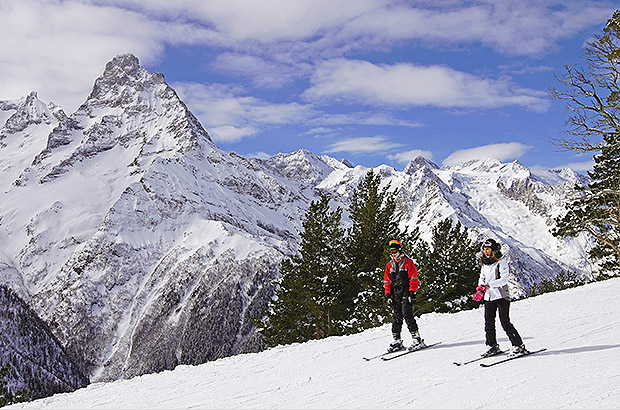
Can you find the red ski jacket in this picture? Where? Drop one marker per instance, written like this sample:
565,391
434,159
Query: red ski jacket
402,271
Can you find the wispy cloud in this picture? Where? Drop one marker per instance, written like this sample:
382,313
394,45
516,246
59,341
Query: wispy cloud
579,166
260,72
230,116
412,85
65,44
363,118
408,156
503,152
363,145
526,27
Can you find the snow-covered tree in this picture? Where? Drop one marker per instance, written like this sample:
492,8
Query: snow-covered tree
593,96
312,297
448,269
374,224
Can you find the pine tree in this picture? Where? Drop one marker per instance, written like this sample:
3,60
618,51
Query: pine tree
594,98
374,224
6,397
448,269
311,300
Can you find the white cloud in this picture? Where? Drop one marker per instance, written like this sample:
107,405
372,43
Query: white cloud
412,85
264,21
259,155
260,72
230,133
65,44
408,156
502,152
579,166
363,145
59,48
230,116
525,27
363,118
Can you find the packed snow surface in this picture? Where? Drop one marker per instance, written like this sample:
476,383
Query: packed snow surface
579,327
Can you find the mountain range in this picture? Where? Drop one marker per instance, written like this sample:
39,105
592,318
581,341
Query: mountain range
142,246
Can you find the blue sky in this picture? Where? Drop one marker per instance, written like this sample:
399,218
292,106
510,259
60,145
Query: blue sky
372,81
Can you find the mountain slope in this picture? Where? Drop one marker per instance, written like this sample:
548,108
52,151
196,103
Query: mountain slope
578,370
37,360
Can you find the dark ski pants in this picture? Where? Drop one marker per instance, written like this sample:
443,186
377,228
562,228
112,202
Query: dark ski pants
401,308
490,309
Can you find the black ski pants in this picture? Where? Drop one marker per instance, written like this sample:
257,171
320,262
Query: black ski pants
401,308
490,309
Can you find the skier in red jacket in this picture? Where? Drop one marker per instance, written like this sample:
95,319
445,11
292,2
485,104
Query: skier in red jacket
401,283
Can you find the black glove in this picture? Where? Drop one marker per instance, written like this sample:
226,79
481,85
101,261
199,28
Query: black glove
411,297
388,296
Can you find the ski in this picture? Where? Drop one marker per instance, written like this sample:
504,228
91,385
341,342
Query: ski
409,351
480,358
383,354
511,358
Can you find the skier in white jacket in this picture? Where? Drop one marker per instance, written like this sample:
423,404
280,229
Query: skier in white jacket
494,281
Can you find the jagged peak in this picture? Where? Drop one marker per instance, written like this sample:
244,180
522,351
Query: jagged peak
28,110
128,65
480,164
302,164
418,163
122,78
558,176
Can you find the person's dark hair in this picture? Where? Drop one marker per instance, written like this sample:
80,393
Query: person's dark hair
495,248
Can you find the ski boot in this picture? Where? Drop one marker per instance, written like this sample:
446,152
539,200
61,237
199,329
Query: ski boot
396,345
517,351
491,351
417,342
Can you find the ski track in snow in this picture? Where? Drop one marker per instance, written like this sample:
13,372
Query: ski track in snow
579,327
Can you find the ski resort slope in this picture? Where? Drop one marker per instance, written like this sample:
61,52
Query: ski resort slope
579,327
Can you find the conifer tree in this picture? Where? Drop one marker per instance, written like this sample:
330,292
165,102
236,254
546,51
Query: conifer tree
593,96
448,269
374,224
311,301
6,397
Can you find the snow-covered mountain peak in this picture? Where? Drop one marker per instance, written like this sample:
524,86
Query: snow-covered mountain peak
419,163
24,112
122,81
480,166
559,176
303,165
131,111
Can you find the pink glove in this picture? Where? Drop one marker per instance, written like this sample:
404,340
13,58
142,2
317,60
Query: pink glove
479,293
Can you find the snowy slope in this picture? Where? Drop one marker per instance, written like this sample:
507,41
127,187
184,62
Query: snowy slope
579,369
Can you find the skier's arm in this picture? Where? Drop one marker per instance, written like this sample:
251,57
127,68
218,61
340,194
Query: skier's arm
481,279
503,275
387,280
414,281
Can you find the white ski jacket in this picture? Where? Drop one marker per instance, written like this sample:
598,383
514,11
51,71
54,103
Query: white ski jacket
496,276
